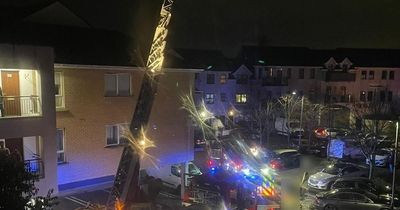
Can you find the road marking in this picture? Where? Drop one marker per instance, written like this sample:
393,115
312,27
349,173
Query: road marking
71,198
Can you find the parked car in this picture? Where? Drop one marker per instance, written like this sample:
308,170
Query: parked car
323,179
347,199
360,183
322,132
285,159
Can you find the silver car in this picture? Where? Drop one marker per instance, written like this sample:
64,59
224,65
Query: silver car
323,179
351,199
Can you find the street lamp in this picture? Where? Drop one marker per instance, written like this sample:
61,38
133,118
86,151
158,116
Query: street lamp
394,165
301,116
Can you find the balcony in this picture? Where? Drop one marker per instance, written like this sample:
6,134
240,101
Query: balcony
275,81
35,166
20,106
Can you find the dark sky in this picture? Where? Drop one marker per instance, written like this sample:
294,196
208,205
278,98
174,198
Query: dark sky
228,23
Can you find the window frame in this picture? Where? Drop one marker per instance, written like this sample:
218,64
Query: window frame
384,75
301,73
364,75
119,136
209,100
239,98
391,75
61,89
222,78
63,146
312,73
210,78
371,75
117,80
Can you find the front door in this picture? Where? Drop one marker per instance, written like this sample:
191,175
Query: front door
15,144
10,86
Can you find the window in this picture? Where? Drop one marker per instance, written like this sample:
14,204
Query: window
59,89
371,75
196,75
222,78
362,95
312,73
241,98
209,98
390,95
223,97
210,79
363,75
391,75
382,96
384,74
369,96
60,145
289,73
117,84
242,79
114,134
301,73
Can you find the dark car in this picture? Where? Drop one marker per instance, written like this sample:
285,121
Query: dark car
360,183
323,179
353,199
285,159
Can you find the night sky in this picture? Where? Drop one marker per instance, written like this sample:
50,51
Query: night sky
226,24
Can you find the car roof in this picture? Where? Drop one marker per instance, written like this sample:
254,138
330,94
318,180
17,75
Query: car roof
281,151
353,190
354,179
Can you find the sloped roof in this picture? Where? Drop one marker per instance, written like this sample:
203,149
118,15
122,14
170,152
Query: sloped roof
75,45
301,56
56,14
197,59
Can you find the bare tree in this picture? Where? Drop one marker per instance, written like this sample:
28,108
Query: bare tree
289,104
263,118
373,118
312,116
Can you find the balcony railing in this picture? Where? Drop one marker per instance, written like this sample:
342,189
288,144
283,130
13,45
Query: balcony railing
20,106
35,166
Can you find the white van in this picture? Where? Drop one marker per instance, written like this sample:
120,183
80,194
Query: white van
282,127
171,174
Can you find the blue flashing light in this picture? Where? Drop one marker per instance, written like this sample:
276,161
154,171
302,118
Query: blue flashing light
209,67
261,61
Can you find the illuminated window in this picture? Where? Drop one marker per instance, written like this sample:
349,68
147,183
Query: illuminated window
241,98
60,145
117,84
222,78
209,98
114,134
59,89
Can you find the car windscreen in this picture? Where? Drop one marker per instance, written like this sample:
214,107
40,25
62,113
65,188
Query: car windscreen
331,170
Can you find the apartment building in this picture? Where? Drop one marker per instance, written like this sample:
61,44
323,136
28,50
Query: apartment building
28,117
336,78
